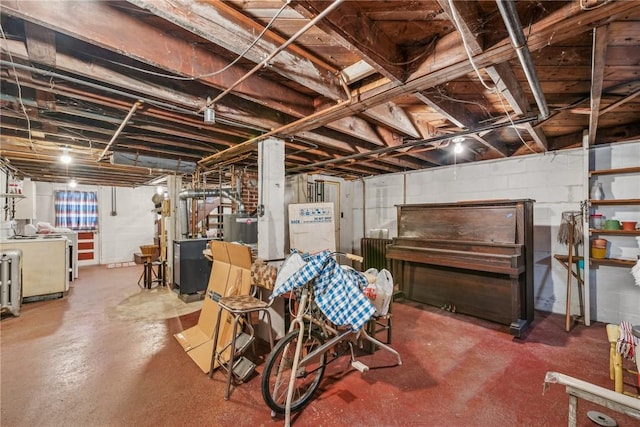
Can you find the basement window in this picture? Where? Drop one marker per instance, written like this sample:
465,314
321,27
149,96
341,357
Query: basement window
77,210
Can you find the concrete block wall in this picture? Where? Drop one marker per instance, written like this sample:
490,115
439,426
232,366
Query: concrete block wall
554,180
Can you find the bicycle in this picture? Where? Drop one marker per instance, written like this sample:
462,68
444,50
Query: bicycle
296,365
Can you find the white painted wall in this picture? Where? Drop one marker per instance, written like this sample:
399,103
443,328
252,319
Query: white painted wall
554,180
119,236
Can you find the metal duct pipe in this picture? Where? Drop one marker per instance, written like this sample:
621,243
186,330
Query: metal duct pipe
211,192
514,27
152,162
182,217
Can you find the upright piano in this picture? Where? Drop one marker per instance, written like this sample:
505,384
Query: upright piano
474,258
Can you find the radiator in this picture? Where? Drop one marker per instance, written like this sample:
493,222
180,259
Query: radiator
11,281
374,252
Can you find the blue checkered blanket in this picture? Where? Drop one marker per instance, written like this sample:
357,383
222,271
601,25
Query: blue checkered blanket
338,290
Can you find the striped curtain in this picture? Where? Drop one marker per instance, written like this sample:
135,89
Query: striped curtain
77,210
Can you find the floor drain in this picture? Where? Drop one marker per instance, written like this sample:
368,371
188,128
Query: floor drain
601,419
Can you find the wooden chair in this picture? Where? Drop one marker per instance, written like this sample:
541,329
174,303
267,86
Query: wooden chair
616,368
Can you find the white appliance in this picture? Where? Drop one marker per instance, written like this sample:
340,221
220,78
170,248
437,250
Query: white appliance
72,237
45,261
311,227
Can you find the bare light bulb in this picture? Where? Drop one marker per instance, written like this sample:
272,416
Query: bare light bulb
65,157
73,183
458,148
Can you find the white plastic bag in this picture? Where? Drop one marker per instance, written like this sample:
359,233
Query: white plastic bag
381,291
289,267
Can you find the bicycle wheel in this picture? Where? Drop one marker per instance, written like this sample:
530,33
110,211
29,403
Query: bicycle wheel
277,372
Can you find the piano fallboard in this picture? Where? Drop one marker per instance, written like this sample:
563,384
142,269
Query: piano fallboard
490,257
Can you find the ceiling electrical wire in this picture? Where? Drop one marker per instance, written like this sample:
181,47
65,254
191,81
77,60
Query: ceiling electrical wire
15,73
584,7
443,95
213,73
456,20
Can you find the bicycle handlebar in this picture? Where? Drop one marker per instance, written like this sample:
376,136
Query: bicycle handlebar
354,257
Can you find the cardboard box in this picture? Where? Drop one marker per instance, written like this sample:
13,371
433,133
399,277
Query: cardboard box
230,275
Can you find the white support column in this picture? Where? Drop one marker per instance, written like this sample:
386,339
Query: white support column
271,209
271,218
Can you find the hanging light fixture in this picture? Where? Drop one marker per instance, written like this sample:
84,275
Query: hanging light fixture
73,183
458,148
65,157
209,112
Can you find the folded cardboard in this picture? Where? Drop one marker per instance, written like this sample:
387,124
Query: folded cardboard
230,275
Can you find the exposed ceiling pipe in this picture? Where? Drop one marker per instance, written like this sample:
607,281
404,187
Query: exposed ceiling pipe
247,145
133,109
107,89
236,150
413,143
280,48
212,192
152,162
514,28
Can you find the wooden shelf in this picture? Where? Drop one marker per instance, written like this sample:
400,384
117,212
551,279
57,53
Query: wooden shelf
618,202
615,171
565,258
13,196
615,232
612,261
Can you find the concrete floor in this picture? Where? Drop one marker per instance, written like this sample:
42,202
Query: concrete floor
70,362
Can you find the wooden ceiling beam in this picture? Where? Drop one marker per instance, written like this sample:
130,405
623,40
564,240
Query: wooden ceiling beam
226,27
412,159
354,31
356,127
508,86
393,117
352,125
502,76
123,33
449,61
461,117
598,59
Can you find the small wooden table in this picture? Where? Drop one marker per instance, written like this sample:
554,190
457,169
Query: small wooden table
149,276
564,261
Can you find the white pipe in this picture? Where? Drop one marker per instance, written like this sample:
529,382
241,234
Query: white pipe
265,61
133,109
512,22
